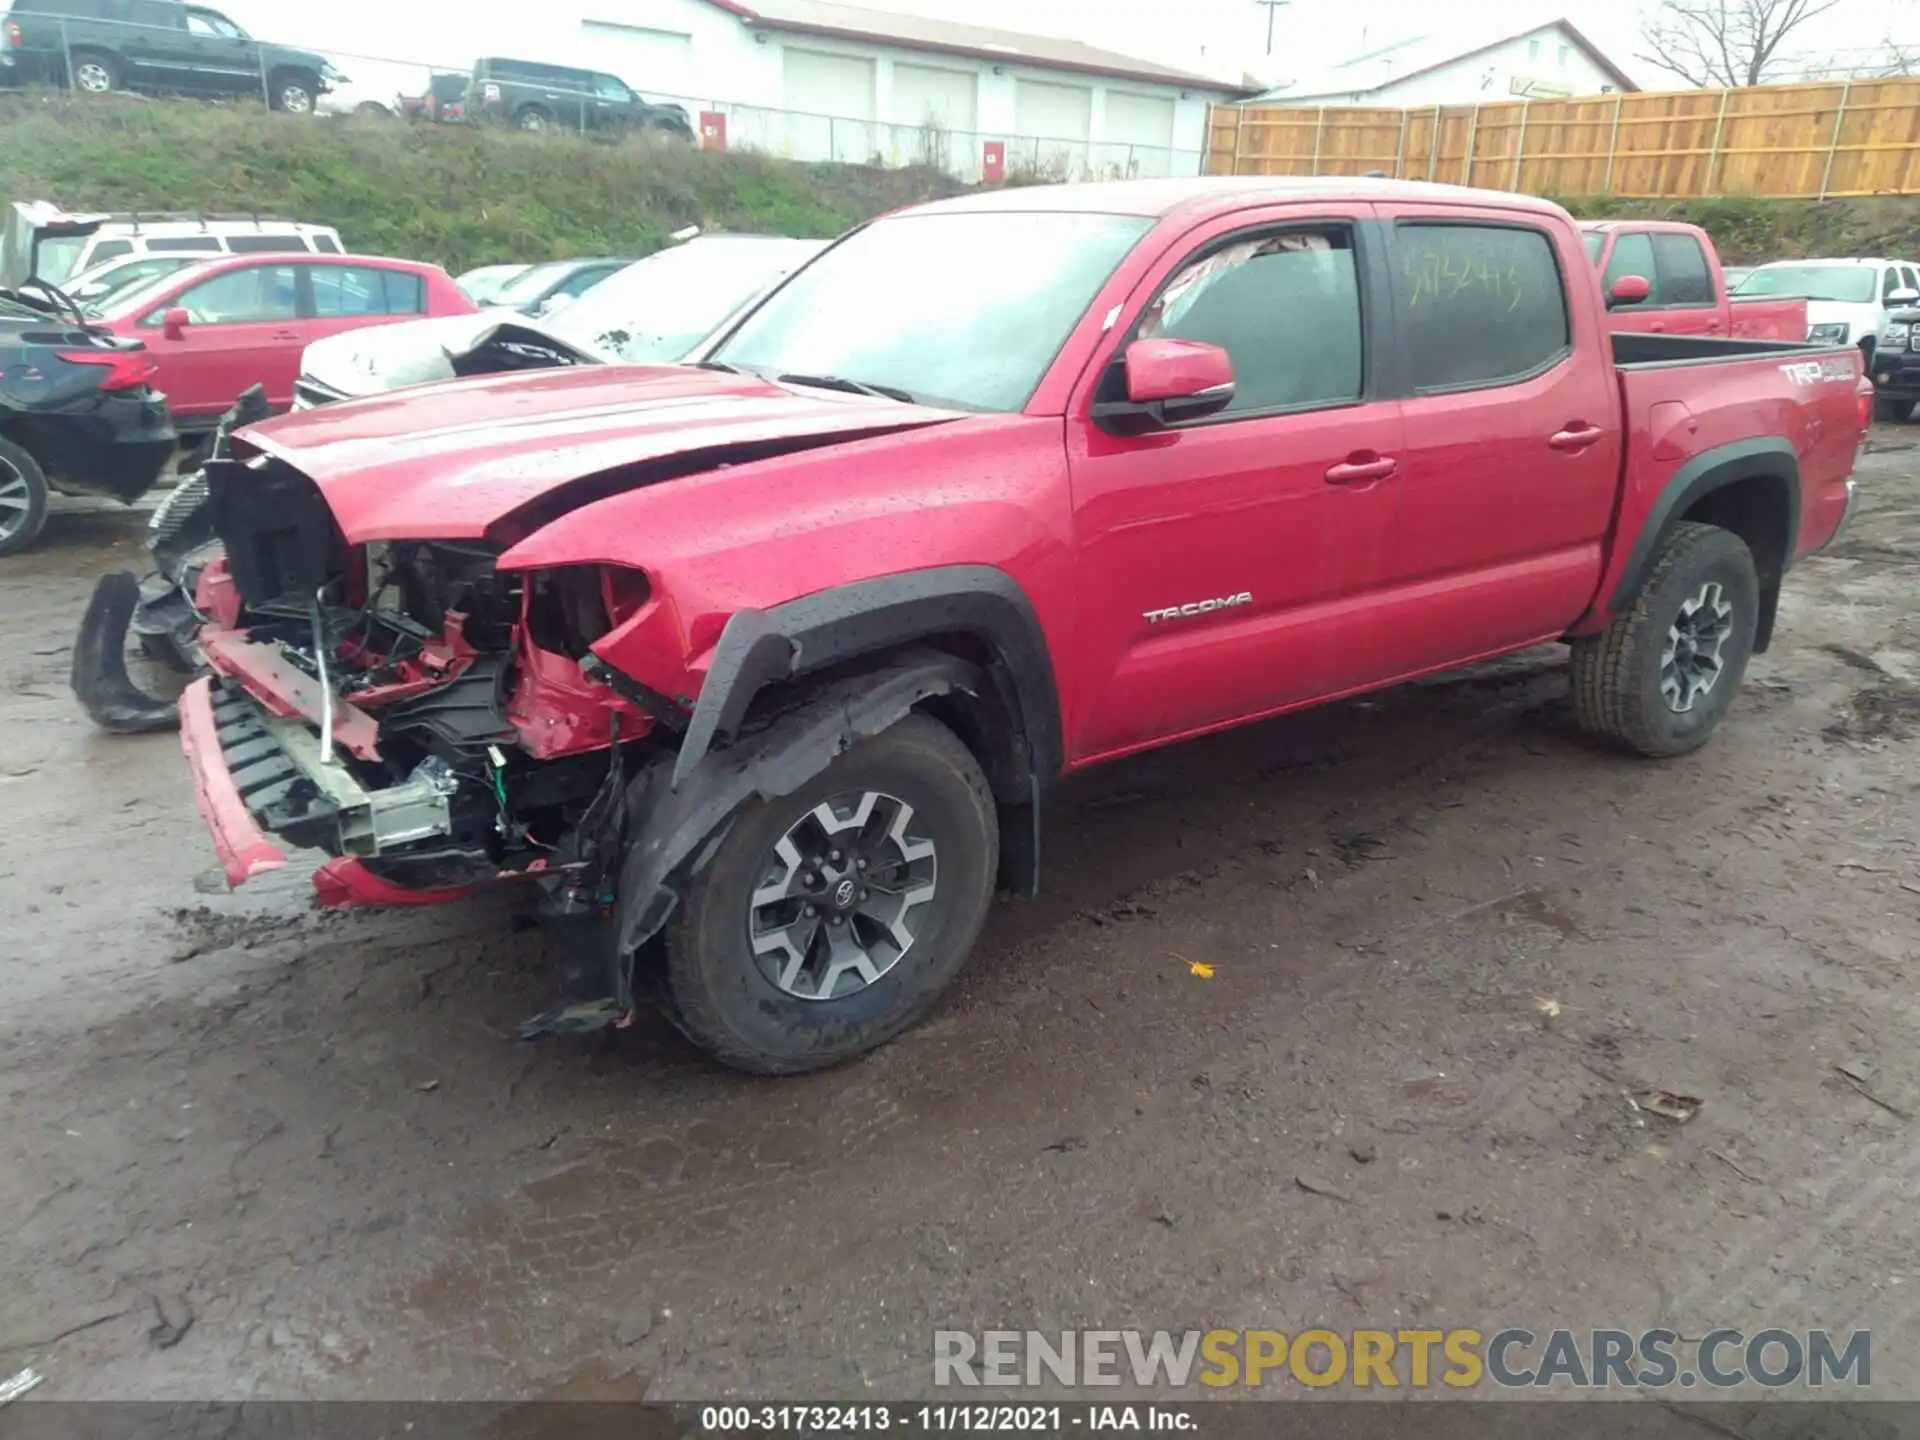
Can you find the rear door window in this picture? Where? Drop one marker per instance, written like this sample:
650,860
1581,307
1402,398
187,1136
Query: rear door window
352,290
1684,277
1633,255
1479,305
265,244
198,244
110,250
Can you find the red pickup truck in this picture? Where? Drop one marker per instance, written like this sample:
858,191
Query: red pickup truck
763,668
1661,276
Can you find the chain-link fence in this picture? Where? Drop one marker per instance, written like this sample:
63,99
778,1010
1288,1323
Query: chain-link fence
209,57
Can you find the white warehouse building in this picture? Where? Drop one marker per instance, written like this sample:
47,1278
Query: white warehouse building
816,80
1553,61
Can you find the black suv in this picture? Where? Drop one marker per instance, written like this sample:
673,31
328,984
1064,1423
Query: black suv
155,46
531,96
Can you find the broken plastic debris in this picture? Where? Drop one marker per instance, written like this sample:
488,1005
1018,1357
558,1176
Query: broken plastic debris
1198,968
1548,1008
15,1386
1664,1103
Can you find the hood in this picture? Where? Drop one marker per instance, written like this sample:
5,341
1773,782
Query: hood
451,461
1836,312
386,357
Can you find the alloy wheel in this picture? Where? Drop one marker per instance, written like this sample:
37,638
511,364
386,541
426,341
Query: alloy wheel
16,502
843,896
296,100
93,77
1691,663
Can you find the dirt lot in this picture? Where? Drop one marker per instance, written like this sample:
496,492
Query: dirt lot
1448,938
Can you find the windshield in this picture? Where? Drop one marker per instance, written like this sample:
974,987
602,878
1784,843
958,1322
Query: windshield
1850,284
965,309
661,307
1596,242
95,287
531,285
135,299
58,255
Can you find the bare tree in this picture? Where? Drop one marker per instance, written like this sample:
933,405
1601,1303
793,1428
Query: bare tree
1723,43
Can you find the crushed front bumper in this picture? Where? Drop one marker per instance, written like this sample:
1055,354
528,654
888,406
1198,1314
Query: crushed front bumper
258,777
243,847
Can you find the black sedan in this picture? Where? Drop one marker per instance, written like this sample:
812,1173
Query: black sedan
76,415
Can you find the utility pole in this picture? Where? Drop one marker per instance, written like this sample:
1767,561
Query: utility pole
1272,5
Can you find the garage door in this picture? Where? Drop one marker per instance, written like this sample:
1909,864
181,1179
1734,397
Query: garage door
829,106
1050,128
820,84
654,62
1137,134
946,97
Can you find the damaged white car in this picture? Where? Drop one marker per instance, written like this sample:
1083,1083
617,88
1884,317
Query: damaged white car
656,310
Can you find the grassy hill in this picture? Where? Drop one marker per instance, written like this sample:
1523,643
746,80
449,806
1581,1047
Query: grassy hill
446,193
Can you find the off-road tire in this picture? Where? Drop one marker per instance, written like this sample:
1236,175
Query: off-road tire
714,989
18,468
1616,674
106,66
1892,410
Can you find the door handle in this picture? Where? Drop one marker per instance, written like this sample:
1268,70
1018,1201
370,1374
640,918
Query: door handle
1658,326
1577,437
286,334
1355,470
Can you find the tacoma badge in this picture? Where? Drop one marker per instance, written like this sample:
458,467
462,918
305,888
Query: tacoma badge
1198,607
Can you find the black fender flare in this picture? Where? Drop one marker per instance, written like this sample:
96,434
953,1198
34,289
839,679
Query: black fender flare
765,647
1765,457
677,827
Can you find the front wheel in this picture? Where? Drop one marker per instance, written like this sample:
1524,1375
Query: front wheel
832,918
294,94
1660,677
533,120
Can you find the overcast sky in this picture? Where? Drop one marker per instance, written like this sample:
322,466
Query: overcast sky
1223,36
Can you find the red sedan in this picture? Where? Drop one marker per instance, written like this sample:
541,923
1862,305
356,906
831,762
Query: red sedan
216,328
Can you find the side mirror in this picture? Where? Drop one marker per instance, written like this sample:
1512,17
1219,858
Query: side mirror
1168,382
1903,297
174,323
1628,290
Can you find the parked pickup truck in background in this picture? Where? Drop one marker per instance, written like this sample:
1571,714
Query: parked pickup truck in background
762,668
1686,290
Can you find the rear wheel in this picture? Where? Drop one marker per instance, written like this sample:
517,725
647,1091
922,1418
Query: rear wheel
832,918
1892,409
1660,677
533,119
23,499
95,72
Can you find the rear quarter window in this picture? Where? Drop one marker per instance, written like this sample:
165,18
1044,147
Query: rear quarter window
109,250
1479,305
199,244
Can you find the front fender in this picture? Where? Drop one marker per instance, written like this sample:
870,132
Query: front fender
679,827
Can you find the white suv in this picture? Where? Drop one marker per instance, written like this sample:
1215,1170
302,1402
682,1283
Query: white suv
198,236
1849,302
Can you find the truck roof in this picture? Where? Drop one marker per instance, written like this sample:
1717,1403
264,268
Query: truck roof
1215,193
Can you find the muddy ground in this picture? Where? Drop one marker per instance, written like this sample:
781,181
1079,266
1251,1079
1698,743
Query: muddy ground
1448,941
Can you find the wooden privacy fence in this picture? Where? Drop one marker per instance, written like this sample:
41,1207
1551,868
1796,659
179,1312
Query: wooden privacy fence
1844,138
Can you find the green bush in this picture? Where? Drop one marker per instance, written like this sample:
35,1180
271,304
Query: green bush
447,193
